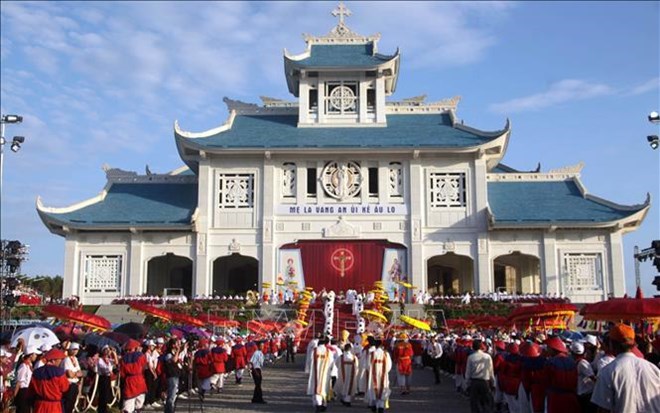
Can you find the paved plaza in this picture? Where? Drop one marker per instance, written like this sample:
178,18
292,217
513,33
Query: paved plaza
285,385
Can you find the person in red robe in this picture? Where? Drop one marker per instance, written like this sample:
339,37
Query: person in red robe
510,376
133,385
239,355
403,354
560,374
49,384
219,356
531,394
203,366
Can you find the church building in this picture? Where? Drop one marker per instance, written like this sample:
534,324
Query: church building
337,188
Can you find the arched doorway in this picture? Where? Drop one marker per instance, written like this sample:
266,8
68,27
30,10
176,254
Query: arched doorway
235,274
450,274
169,271
517,273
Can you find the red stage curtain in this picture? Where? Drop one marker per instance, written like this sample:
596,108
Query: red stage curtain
367,265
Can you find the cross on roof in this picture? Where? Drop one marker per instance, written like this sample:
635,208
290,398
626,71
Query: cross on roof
341,11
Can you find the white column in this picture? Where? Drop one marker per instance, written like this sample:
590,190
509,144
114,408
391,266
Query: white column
266,261
484,279
362,100
617,276
303,98
202,283
550,270
136,281
380,99
72,274
416,267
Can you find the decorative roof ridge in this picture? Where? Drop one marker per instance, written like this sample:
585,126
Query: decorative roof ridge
205,134
528,177
116,176
570,169
417,104
179,170
493,134
42,209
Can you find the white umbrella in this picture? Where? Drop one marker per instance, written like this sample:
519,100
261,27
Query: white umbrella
35,337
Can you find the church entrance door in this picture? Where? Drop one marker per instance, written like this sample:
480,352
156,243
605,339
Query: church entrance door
169,271
517,273
449,274
235,274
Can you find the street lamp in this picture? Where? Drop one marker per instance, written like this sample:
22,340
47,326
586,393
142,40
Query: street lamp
654,141
15,145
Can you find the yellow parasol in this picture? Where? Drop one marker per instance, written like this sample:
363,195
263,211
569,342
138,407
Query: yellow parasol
405,284
301,322
373,315
422,325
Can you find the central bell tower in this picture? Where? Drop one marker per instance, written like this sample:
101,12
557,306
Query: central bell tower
341,80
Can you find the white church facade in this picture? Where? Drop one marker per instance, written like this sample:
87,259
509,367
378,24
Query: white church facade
340,187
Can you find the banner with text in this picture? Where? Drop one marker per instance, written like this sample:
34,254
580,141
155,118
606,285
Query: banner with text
361,209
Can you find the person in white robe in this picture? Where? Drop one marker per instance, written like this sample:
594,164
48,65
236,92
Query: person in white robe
346,385
378,386
318,384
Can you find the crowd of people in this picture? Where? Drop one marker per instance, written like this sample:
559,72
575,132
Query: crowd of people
615,372
154,372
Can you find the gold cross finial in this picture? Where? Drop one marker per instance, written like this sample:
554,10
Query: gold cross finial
341,11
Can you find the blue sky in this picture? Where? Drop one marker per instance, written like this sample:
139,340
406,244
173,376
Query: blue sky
102,83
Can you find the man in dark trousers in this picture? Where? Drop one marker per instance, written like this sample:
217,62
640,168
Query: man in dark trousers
256,364
481,379
290,350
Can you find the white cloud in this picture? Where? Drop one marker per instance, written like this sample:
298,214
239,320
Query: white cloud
648,86
566,90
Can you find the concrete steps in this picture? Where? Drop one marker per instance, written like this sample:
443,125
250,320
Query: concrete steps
120,314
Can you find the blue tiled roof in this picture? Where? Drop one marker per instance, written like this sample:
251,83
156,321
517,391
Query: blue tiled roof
345,56
402,131
522,203
137,204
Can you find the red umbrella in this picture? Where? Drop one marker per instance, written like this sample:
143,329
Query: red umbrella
187,320
543,310
76,316
152,311
218,321
617,309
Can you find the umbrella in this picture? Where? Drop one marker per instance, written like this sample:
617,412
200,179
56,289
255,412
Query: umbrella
373,315
218,321
120,338
187,320
78,317
135,331
184,331
99,341
67,332
152,311
617,309
422,325
35,337
571,335
542,310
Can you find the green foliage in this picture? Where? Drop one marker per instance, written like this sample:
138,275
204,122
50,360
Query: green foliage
454,309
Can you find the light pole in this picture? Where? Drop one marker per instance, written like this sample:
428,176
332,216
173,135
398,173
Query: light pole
653,140
16,143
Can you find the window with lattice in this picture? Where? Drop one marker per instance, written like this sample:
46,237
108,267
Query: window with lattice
447,190
235,191
395,181
102,273
341,98
583,271
289,180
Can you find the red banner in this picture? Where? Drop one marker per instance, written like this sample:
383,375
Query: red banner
342,265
